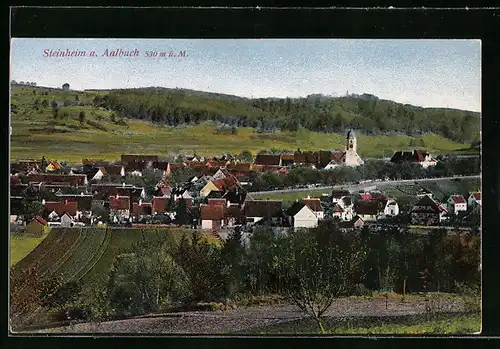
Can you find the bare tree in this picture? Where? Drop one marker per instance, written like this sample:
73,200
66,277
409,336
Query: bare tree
318,273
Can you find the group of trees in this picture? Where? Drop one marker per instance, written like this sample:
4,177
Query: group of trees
371,170
332,114
309,268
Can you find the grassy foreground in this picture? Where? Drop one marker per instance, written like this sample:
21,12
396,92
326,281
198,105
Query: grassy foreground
21,245
410,325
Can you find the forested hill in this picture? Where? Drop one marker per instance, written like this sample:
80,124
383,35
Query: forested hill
365,113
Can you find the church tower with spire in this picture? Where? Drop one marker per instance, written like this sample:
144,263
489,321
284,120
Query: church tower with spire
351,157
350,143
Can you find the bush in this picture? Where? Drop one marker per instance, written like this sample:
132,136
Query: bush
362,291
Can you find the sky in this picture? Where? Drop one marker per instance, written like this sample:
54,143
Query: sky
427,73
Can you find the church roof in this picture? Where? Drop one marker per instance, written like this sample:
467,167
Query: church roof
351,134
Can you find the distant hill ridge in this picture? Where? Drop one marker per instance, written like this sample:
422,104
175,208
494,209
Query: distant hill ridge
321,113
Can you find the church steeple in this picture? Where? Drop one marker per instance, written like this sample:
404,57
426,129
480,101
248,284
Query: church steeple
350,143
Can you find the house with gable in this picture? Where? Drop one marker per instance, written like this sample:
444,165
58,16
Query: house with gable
220,185
119,209
84,203
337,195
367,210
212,216
315,206
37,227
355,223
428,212
267,160
63,212
53,166
141,210
419,157
256,210
456,203
474,200
301,216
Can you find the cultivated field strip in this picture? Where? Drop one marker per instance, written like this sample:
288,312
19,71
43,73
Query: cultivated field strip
43,249
83,255
82,235
57,254
97,256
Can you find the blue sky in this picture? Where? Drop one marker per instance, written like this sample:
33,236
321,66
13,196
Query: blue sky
428,73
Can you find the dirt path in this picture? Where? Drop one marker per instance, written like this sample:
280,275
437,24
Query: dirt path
244,319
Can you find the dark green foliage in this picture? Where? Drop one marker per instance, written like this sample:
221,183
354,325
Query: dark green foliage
32,204
326,114
146,279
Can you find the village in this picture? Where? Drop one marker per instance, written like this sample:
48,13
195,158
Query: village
217,196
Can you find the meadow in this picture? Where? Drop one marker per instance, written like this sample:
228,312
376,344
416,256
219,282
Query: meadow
404,193
36,133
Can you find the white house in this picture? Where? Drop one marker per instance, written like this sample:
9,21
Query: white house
390,207
315,205
456,203
338,195
67,221
301,216
212,217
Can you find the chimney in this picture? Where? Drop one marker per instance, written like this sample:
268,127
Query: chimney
81,193
43,201
140,202
66,203
124,185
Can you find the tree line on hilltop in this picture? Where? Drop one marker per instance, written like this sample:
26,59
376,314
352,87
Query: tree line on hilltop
331,115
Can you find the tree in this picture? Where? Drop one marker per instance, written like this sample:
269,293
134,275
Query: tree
318,272
232,256
181,214
81,117
147,278
32,204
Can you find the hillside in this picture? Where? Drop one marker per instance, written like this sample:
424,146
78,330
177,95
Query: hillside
73,255
46,122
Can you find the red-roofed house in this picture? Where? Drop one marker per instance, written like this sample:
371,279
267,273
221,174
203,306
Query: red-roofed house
160,204
366,196
141,210
53,166
219,202
54,210
474,200
212,216
119,208
456,203
37,226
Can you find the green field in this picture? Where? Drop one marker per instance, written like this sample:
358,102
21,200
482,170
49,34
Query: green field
82,254
405,193
21,245
37,133
290,197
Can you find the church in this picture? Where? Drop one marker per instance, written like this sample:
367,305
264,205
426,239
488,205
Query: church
348,157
